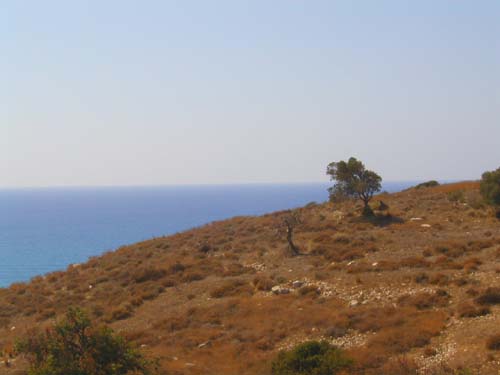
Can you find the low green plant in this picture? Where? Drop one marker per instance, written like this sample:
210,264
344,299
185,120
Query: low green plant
311,358
74,347
490,187
456,196
427,184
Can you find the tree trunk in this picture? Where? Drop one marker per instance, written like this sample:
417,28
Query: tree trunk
294,250
367,210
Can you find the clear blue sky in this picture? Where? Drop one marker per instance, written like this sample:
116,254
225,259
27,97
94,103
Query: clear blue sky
175,92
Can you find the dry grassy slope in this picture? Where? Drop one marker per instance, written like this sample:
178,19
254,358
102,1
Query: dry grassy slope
201,299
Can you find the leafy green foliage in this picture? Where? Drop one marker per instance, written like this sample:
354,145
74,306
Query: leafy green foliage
456,196
427,184
490,187
311,358
74,347
353,180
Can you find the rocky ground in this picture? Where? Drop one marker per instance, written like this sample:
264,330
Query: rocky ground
416,287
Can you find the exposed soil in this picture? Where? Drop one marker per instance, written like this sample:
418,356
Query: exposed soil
419,283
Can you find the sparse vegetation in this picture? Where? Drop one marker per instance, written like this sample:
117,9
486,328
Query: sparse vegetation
493,342
205,296
311,358
74,347
490,189
427,184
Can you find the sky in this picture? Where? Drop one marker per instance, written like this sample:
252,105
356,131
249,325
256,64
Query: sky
124,92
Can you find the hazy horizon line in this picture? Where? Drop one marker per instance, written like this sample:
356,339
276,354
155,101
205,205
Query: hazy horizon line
443,181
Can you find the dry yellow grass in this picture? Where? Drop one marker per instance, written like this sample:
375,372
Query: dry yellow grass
418,279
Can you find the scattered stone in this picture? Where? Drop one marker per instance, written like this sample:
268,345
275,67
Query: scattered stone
203,344
425,225
297,283
278,289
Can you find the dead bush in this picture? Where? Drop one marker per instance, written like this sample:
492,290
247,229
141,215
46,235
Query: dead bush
490,296
468,310
262,283
231,288
120,313
309,290
493,342
148,274
425,300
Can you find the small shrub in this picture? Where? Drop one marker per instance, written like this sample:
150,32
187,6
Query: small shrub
231,288
425,300
427,184
176,268
311,358
309,290
490,296
456,196
148,274
120,313
262,283
205,248
74,347
422,278
468,310
341,238
490,187
493,342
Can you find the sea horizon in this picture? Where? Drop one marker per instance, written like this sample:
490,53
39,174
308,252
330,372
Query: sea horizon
45,229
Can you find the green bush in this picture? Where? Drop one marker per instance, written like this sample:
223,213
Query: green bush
456,196
311,358
490,187
74,347
427,184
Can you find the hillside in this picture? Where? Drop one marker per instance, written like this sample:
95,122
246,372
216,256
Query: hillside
422,280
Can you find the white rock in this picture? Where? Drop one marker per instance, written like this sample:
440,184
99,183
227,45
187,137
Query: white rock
203,344
425,225
297,283
277,289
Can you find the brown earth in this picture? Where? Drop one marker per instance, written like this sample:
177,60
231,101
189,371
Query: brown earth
419,285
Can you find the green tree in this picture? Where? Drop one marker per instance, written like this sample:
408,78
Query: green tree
490,187
353,180
311,358
74,347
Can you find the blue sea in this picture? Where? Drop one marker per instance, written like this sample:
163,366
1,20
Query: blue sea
46,229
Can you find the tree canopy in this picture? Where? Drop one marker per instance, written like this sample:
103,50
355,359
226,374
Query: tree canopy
490,187
353,180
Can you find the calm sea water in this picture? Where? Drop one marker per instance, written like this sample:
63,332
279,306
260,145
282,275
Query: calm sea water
43,230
